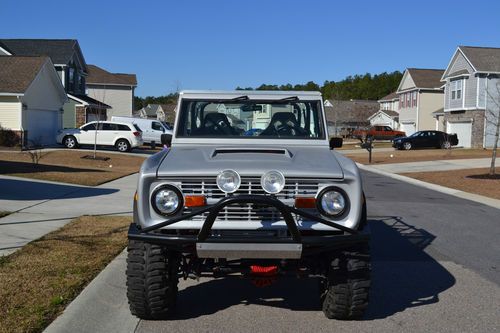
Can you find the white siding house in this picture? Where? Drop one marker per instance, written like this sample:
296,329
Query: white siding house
31,99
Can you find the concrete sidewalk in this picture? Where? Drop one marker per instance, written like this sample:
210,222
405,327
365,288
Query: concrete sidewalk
40,207
438,165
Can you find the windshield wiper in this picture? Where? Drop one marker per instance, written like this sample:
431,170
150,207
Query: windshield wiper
289,99
239,98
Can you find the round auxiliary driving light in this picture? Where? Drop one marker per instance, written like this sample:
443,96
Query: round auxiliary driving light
332,202
167,200
228,181
272,181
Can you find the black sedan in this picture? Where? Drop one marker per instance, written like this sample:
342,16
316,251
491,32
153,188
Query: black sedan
426,139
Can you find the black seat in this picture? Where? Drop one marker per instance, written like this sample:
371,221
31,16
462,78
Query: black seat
283,123
216,124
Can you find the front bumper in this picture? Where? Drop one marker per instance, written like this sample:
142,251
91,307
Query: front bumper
295,246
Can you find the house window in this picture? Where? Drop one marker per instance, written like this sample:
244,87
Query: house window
408,104
414,99
456,89
401,101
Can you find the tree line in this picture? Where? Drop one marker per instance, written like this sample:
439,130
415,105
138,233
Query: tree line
367,87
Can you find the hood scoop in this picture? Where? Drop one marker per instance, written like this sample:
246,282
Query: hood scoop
232,151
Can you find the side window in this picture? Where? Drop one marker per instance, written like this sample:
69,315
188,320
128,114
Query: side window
157,126
123,127
89,127
110,127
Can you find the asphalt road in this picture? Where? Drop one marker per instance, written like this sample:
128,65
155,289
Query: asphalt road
436,262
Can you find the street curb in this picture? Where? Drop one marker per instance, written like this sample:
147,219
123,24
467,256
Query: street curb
443,189
102,306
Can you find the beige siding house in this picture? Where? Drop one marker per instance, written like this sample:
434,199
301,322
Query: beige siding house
31,99
113,89
420,94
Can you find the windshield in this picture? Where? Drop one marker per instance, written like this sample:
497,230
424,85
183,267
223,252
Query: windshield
251,119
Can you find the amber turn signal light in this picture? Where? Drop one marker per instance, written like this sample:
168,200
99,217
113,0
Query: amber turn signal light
305,202
195,200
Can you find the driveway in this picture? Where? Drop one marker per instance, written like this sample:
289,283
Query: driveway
437,165
41,207
435,269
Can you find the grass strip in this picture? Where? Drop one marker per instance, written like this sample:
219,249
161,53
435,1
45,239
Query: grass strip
39,280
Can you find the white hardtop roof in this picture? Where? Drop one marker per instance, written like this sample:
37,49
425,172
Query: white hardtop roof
252,94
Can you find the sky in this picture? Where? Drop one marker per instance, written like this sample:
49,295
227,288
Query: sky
222,44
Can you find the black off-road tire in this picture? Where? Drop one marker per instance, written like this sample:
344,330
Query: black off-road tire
152,277
346,289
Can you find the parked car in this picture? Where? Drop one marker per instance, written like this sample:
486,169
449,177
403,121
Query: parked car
123,136
378,133
282,203
426,139
151,129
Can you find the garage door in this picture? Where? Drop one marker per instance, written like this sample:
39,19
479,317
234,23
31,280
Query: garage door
42,126
409,129
463,131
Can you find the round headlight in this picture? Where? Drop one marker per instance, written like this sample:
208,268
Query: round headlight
332,202
167,200
228,181
272,182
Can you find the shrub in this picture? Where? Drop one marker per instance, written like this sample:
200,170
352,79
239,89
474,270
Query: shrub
8,138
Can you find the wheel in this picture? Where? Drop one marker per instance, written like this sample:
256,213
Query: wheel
70,142
407,145
446,145
151,280
122,145
346,289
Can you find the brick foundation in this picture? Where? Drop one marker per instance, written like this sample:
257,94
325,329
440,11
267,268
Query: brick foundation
80,116
477,117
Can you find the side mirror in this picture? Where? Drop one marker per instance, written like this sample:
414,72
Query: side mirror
166,139
336,143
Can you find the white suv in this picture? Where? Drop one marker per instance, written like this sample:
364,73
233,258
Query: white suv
123,136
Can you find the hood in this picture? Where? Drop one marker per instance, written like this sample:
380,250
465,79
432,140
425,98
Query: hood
298,161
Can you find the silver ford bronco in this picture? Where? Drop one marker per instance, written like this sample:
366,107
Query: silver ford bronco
251,186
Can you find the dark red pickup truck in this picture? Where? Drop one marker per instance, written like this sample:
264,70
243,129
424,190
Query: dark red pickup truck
378,133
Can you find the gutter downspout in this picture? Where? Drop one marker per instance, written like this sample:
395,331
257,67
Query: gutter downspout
21,122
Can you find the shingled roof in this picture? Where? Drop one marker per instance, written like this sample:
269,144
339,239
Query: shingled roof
17,73
483,59
98,75
426,78
353,111
60,51
389,97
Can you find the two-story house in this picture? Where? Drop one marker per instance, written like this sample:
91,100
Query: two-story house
114,89
70,65
472,93
420,94
388,113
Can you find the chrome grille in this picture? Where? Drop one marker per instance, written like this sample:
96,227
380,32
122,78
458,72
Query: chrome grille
208,187
249,185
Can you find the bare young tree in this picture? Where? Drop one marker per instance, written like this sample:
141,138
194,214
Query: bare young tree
492,115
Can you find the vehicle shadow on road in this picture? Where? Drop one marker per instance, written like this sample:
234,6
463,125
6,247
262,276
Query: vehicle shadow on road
403,276
13,189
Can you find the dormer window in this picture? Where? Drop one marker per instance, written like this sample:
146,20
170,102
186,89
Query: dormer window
456,89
